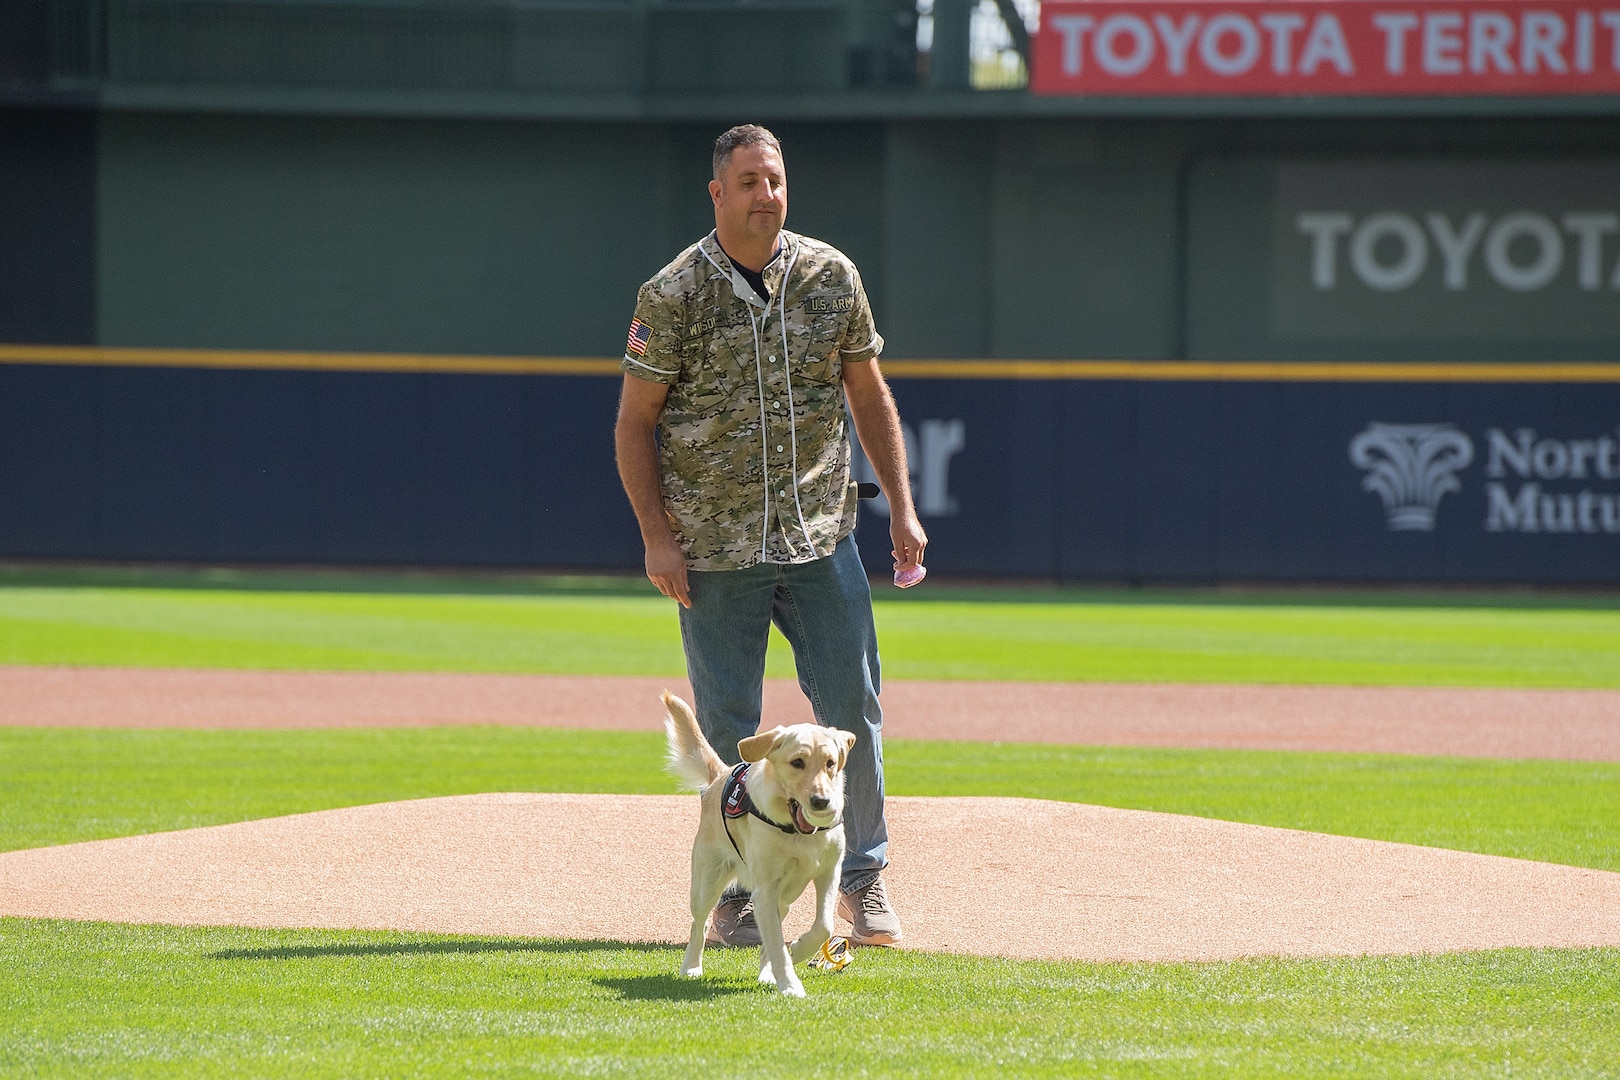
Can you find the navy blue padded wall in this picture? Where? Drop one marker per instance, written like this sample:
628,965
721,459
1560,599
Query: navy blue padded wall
1082,480
1253,481
241,466
49,461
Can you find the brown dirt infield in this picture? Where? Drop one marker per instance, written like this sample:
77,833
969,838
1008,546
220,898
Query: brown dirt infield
1571,724
1009,877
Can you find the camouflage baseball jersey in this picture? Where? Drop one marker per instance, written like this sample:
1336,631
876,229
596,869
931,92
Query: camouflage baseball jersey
754,454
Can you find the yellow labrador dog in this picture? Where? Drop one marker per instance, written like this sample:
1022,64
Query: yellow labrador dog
773,824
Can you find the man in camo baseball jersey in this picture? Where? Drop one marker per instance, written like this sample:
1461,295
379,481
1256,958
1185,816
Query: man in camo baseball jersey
733,447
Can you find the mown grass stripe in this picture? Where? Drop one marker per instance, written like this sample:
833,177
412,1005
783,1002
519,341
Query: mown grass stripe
635,632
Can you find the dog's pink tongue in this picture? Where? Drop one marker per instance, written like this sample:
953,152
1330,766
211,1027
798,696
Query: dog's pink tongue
800,822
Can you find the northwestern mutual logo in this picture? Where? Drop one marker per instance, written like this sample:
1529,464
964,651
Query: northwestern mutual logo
1554,493
1532,484
1411,467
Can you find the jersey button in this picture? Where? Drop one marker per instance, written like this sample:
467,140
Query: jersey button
778,449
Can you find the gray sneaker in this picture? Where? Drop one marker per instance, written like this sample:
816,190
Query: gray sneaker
733,922
869,913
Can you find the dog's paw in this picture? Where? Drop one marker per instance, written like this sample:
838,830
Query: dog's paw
767,976
804,949
794,989
693,972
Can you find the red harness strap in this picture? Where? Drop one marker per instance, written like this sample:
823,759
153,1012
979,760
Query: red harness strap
734,800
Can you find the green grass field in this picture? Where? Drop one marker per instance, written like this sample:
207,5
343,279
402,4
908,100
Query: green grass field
99,1000
619,627
92,1000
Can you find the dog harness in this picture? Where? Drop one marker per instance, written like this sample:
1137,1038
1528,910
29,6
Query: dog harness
735,802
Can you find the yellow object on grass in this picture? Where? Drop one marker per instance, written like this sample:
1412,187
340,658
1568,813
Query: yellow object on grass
836,954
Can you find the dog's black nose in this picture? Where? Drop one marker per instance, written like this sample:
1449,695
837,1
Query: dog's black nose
817,802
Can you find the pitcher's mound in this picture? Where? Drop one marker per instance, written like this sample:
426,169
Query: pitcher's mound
1010,877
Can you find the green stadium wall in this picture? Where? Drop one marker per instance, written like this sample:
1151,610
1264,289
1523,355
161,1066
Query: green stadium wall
204,238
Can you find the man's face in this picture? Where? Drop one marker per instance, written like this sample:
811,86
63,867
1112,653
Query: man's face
750,198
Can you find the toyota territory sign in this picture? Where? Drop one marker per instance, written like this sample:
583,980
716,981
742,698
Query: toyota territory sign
1333,47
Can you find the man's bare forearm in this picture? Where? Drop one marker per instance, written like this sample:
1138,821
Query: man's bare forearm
877,426
638,471
636,447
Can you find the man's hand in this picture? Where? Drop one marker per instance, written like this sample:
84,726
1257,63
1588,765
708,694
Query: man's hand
909,540
666,568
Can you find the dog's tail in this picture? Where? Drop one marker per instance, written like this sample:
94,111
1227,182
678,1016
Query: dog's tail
691,758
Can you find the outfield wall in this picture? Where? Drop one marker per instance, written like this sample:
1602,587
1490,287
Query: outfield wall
1073,478
323,254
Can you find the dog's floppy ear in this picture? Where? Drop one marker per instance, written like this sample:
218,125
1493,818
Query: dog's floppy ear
758,747
846,741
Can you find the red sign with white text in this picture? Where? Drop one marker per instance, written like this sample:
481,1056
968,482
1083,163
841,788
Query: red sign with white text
1267,48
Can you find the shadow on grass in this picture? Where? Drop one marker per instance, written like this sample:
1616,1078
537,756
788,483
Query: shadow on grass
412,948
674,988
632,987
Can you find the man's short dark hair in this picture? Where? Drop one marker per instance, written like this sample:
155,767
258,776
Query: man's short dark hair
741,135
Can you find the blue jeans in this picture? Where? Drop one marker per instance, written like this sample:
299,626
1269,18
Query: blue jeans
824,609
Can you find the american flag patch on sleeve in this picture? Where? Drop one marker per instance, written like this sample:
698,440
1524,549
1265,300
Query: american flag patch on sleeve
640,334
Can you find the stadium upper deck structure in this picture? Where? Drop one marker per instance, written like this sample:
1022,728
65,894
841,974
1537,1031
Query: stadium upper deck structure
319,281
